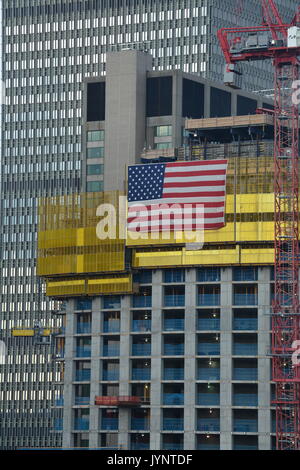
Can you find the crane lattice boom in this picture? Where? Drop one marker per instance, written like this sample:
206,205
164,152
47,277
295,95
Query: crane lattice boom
279,42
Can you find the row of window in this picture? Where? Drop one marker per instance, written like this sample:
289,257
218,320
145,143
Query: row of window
173,369
207,319
213,274
170,441
207,344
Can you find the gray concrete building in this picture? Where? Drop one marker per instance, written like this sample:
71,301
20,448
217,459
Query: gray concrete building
182,362
198,365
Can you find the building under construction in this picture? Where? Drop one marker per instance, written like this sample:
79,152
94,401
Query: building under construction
163,347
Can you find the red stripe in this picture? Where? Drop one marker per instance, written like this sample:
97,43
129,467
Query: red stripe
198,162
162,217
203,194
194,184
158,228
182,174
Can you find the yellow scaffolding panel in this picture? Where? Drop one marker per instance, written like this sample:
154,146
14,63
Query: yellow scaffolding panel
112,284
68,243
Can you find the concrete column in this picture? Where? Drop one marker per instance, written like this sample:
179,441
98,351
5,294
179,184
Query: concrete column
125,123
124,386
264,361
177,109
156,361
190,360
207,100
234,103
226,360
95,372
69,375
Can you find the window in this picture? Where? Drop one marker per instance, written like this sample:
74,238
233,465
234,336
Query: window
159,96
163,145
96,101
174,275
209,274
95,136
248,273
163,131
96,152
220,103
95,169
94,186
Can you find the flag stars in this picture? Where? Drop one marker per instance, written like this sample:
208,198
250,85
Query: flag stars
145,182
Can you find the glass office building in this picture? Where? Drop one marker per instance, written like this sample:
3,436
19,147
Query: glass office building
48,48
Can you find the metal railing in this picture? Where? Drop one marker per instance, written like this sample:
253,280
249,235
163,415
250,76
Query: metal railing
173,424
109,424
208,424
141,374
140,424
208,349
245,447
207,399
245,373
141,302
250,324
174,324
111,326
140,446
173,374
173,399
141,325
81,424
208,299
208,374
110,376
208,324
83,352
84,328
83,375
174,349
173,446
208,447
245,299
111,351
245,399
244,349
141,349
245,425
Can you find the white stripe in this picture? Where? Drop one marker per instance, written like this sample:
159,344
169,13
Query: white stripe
190,179
177,200
196,189
187,169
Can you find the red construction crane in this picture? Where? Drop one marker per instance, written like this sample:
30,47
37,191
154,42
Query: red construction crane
279,42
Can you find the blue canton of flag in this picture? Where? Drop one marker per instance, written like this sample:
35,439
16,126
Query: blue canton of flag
145,182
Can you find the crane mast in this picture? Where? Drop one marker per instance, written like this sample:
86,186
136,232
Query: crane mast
280,43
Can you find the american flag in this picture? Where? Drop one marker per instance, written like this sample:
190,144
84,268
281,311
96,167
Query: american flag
153,188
